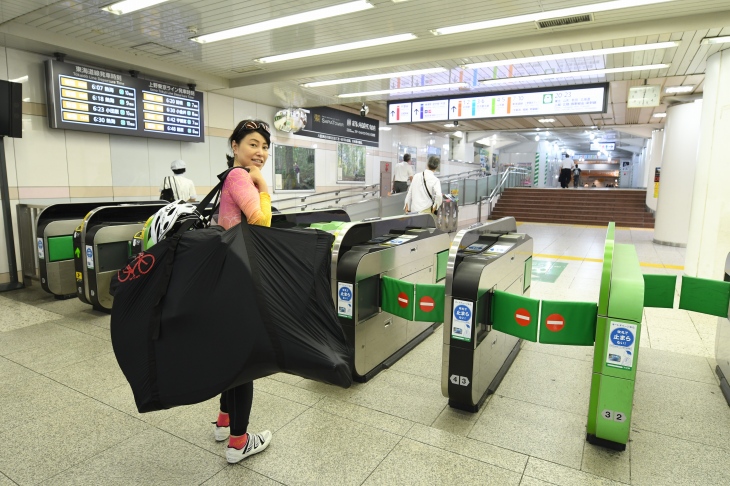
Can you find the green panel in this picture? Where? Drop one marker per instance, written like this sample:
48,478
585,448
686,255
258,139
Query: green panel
397,297
659,290
606,271
626,300
613,410
527,275
430,302
572,323
593,403
442,258
706,296
327,226
547,271
515,315
599,351
60,248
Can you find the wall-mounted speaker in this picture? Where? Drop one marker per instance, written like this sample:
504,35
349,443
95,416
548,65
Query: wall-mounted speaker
11,109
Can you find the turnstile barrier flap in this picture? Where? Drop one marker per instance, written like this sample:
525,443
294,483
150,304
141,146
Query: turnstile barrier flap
706,296
515,315
396,297
430,302
572,323
442,259
659,290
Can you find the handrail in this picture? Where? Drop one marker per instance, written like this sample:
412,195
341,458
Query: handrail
336,192
497,188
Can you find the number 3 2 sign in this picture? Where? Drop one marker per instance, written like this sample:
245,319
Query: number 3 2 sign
615,416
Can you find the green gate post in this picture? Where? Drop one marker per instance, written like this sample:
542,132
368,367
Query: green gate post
620,309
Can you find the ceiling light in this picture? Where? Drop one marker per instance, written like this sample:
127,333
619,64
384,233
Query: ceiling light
338,48
458,133
570,55
373,77
593,136
550,14
385,129
449,125
300,18
591,72
716,40
537,138
660,115
546,120
485,141
403,90
121,8
680,89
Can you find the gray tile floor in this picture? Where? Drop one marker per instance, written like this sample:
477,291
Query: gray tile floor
67,415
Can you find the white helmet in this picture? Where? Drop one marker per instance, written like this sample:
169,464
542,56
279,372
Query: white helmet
169,218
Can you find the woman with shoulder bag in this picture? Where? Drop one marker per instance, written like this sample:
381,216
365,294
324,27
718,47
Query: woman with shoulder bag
424,193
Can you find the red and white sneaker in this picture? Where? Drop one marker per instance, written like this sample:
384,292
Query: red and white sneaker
220,433
255,444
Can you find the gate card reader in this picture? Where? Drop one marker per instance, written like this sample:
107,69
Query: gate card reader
402,247
482,258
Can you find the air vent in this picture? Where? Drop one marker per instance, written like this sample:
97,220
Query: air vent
155,48
564,21
247,69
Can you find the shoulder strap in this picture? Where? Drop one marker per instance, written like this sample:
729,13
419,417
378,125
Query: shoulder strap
425,186
214,194
176,191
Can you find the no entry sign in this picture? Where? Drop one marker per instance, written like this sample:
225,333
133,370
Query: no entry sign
523,317
555,322
402,300
426,304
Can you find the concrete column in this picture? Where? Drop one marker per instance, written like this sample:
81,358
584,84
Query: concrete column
709,230
654,161
679,163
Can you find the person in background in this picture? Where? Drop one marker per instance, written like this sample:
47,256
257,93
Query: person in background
182,187
424,194
576,175
402,174
244,192
564,177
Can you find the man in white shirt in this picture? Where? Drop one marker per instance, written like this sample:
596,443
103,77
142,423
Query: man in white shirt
564,177
402,173
182,187
424,195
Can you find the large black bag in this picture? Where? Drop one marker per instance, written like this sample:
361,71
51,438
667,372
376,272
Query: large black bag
206,310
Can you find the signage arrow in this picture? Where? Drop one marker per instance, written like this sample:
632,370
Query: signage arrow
77,252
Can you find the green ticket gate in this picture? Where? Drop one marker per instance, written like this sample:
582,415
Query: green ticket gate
483,258
54,230
365,255
722,344
102,246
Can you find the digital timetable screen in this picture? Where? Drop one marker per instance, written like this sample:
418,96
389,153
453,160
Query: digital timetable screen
96,100
572,100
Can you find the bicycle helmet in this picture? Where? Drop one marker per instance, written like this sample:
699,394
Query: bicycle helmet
168,219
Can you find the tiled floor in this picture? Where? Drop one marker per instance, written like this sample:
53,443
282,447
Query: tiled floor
67,415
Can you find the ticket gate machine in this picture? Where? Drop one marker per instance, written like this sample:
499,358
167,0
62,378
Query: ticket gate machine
482,257
54,231
402,247
105,243
295,218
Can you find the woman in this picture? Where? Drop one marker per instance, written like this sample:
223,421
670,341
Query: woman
244,192
424,193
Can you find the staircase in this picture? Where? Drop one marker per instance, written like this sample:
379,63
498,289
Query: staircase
626,207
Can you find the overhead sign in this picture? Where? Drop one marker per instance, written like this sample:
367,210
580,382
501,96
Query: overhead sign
544,102
603,146
340,126
99,100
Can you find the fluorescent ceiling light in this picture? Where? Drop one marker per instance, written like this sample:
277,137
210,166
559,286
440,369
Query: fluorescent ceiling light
660,115
537,138
680,89
338,48
571,55
546,120
385,129
373,77
449,125
591,72
403,90
550,14
121,8
458,133
716,40
300,18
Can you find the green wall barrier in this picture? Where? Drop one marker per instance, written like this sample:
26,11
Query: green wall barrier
659,290
515,315
706,296
568,323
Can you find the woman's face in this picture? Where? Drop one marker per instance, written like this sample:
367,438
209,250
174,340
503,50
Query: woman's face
252,151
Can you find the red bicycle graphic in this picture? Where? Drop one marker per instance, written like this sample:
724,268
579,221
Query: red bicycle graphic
140,266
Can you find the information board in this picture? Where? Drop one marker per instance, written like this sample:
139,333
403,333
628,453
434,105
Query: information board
544,102
97,100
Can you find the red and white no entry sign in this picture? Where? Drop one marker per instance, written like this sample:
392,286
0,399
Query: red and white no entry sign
555,322
426,304
403,300
523,317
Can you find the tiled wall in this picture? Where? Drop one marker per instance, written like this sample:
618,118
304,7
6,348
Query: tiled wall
47,165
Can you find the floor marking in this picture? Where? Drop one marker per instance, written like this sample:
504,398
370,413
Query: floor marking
600,260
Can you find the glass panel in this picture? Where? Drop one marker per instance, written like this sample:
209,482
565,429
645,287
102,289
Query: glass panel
470,191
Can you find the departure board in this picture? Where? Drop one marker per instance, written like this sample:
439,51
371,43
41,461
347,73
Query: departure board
544,102
98,100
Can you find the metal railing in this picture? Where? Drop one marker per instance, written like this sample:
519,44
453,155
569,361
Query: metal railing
512,177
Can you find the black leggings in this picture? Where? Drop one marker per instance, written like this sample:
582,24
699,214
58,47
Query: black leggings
236,402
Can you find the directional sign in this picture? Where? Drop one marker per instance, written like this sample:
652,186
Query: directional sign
426,303
555,322
403,300
523,317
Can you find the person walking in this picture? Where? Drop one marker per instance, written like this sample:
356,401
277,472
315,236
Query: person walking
564,177
576,175
424,194
178,186
402,174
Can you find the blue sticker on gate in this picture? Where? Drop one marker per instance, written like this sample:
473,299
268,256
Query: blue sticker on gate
462,313
622,337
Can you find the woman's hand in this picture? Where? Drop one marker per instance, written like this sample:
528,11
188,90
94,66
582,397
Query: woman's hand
258,179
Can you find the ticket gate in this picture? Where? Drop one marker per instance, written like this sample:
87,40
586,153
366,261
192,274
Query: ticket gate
104,243
482,258
402,247
54,230
295,218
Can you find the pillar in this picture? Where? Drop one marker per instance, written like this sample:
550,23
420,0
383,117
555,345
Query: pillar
679,163
709,230
653,162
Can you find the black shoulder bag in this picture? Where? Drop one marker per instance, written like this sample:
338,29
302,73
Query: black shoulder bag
167,193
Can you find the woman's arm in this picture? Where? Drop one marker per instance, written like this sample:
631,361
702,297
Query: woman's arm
254,204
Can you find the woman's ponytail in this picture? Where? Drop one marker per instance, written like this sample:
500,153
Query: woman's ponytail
230,160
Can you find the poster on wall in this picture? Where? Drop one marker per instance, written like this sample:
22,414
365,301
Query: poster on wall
350,163
293,168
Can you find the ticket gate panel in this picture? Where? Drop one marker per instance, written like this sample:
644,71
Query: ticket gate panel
56,262
112,248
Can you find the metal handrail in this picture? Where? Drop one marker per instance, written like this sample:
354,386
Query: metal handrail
497,190
335,192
